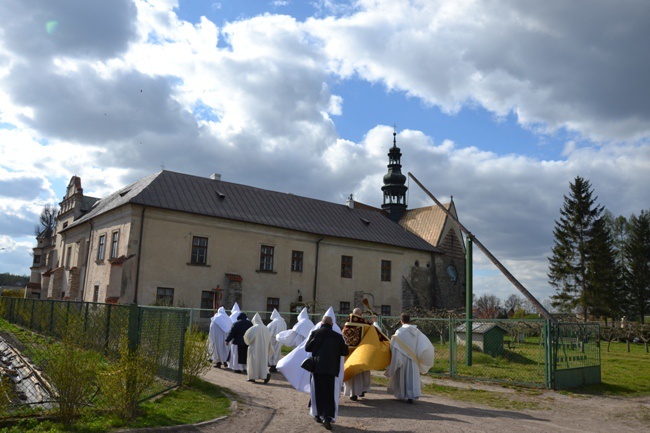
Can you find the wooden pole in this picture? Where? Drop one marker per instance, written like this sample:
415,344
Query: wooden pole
508,275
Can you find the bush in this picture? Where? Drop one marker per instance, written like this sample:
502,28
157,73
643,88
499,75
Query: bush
195,358
125,382
73,373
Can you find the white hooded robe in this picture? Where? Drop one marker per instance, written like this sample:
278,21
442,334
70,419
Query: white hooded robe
258,339
276,326
219,328
299,333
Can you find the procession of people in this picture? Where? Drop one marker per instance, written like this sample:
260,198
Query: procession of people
326,360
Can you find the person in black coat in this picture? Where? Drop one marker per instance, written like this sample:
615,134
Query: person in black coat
327,348
236,335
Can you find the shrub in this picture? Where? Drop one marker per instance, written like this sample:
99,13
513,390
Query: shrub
125,382
195,361
73,373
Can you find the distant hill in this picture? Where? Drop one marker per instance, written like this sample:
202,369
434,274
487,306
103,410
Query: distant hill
11,280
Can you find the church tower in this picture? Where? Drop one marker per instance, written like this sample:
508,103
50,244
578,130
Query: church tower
394,188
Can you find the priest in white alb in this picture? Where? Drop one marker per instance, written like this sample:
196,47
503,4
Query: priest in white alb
411,355
275,326
258,339
299,333
220,325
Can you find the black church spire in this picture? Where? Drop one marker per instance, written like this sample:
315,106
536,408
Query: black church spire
394,188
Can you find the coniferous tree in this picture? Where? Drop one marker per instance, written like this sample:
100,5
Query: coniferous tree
604,277
637,272
570,268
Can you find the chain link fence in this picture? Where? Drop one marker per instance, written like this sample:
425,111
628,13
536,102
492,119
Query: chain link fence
120,347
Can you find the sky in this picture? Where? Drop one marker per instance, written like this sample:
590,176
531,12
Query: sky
500,104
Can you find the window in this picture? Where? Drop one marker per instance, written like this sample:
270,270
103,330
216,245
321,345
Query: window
65,224
385,270
68,257
114,241
344,307
101,248
96,293
266,258
165,296
272,303
208,304
296,261
346,266
385,310
199,250
37,260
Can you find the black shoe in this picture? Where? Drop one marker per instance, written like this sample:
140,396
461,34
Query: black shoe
218,365
363,394
225,365
410,401
354,398
273,369
327,423
318,419
238,371
268,377
251,380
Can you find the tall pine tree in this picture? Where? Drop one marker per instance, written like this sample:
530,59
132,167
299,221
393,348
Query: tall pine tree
637,272
579,238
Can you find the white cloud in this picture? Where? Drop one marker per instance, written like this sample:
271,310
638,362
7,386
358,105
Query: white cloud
550,64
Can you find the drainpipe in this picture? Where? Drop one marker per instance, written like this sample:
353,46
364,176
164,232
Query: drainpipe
316,273
137,270
90,245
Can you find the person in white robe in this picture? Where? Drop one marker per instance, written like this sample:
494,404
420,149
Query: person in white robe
258,339
412,354
219,328
234,358
301,379
276,326
299,333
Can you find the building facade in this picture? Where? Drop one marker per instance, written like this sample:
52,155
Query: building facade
183,240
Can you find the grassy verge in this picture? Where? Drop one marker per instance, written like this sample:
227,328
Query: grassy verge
187,405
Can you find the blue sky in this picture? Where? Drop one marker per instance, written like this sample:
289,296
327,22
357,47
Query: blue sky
500,104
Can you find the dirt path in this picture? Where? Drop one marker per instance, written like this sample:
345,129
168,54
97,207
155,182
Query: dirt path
278,408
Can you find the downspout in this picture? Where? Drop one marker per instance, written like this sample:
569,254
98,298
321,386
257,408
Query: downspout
137,269
90,245
316,273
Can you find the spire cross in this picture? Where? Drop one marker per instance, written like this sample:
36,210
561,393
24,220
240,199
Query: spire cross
394,134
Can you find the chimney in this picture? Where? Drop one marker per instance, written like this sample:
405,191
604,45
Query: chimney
350,202
215,176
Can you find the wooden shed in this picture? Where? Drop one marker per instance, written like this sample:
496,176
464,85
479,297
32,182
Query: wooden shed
487,336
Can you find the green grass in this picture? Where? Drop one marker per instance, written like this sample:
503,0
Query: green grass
623,373
187,405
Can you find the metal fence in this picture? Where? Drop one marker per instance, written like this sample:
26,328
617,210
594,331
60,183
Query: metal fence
531,352
101,329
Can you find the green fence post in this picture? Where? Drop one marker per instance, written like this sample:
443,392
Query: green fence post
51,329
31,317
107,328
452,346
468,301
182,349
134,327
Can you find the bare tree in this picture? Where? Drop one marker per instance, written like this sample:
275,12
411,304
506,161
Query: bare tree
487,306
513,301
46,220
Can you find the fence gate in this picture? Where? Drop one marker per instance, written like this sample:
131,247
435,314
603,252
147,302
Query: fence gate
574,354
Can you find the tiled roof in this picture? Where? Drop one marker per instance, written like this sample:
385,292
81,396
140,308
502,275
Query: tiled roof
216,198
428,222
480,327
